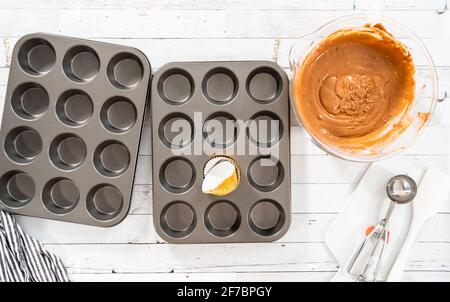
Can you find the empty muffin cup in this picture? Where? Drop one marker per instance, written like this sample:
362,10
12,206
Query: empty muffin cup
176,131
125,71
67,151
220,85
264,85
176,86
104,202
265,173
30,101
60,195
222,218
74,108
178,219
23,144
266,217
118,114
177,175
220,130
81,64
36,56
111,158
16,189
265,129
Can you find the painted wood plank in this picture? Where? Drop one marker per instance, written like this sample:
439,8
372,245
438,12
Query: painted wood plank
138,229
192,258
409,276
178,4
276,257
199,277
325,169
148,23
438,5
143,174
433,141
162,51
225,4
4,73
442,112
141,200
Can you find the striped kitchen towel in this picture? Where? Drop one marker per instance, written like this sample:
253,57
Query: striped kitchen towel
23,258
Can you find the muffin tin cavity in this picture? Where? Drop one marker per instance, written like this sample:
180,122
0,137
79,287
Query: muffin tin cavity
178,219
265,129
240,111
30,101
220,130
265,173
74,108
176,131
176,86
37,57
81,64
220,85
104,202
118,114
125,71
222,218
60,195
16,189
177,175
71,128
266,217
111,158
264,85
67,151
23,145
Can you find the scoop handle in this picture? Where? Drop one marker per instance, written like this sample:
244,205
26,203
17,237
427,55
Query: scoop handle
396,272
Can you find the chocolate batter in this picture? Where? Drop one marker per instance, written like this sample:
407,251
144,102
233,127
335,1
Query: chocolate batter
355,87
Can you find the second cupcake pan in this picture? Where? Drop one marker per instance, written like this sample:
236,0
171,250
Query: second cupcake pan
246,105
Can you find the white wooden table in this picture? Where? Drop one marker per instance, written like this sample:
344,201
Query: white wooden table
232,30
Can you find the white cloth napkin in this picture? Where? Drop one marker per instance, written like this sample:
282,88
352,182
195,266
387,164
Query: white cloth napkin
368,204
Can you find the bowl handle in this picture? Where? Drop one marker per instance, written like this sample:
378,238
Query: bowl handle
440,99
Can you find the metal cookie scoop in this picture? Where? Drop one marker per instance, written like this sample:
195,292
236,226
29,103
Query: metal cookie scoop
401,189
368,259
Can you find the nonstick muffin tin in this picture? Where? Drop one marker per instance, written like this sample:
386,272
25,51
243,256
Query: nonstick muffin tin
193,96
71,128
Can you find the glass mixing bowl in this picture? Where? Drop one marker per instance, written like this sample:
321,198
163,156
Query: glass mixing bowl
426,89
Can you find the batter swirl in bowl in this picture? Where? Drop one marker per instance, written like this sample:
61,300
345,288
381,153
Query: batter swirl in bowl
354,89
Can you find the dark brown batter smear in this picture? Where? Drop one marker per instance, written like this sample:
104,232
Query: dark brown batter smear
355,87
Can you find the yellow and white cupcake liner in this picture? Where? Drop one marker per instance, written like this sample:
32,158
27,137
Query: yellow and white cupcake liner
221,176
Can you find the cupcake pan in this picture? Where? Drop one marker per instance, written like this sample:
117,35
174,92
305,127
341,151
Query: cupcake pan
259,209
71,128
